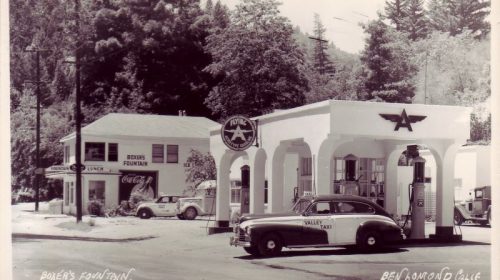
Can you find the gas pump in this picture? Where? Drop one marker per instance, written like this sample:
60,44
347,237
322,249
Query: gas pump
350,185
245,187
417,199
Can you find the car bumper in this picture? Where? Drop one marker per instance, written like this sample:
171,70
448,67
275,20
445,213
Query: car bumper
234,241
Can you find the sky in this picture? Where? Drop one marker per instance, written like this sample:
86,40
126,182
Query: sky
341,18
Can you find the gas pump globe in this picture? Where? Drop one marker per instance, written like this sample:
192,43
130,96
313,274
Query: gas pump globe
350,184
418,199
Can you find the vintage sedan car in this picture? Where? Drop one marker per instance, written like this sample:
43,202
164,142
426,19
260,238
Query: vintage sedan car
318,221
164,206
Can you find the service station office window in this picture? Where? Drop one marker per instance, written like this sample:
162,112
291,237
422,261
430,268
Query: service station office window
94,151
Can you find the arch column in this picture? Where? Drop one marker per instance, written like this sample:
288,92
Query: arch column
223,166
445,188
276,177
257,163
391,179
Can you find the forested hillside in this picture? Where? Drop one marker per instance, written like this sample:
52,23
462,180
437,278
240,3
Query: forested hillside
161,56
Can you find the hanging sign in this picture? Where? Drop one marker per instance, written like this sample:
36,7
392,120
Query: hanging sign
238,133
403,120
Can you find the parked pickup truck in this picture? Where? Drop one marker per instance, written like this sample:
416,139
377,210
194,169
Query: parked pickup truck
477,210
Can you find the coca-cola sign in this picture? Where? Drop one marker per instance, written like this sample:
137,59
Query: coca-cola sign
142,183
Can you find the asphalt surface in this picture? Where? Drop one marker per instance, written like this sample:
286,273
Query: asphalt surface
184,251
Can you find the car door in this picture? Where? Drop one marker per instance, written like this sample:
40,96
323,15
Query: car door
170,206
162,205
317,224
347,218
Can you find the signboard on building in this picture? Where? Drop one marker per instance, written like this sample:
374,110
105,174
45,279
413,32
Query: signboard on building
140,182
238,133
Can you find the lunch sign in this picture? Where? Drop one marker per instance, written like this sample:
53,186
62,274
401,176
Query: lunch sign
238,133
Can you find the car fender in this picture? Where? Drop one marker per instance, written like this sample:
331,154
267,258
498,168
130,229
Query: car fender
389,230
290,234
461,209
194,205
145,207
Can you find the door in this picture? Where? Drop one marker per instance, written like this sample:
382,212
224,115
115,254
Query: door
347,218
317,224
165,206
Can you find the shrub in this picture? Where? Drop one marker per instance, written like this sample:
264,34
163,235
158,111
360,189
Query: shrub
95,207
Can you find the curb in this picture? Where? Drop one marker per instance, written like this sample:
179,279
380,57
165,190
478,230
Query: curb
78,238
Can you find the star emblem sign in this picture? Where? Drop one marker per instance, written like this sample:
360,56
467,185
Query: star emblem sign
403,120
238,133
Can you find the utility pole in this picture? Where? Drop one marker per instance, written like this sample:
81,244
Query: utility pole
38,170
78,118
322,57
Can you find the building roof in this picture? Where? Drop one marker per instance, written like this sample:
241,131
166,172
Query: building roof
137,125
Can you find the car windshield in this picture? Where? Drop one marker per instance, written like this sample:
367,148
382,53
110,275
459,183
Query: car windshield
301,205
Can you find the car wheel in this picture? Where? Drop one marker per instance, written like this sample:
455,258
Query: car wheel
483,223
270,245
190,213
458,219
369,241
180,217
253,250
144,214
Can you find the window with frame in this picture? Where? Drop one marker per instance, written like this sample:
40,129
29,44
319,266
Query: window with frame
94,151
112,151
321,208
235,191
66,191
97,191
66,153
72,190
158,153
172,153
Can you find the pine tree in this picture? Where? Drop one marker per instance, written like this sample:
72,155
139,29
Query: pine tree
209,6
321,59
396,12
387,58
415,23
456,16
220,15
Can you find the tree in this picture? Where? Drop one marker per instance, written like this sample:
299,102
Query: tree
321,59
387,59
415,23
396,12
149,56
200,167
257,61
456,16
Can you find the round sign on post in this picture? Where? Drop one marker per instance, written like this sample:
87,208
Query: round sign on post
73,167
238,133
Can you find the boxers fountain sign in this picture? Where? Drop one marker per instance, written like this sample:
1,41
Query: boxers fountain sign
238,133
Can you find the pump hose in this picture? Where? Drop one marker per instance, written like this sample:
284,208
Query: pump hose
410,199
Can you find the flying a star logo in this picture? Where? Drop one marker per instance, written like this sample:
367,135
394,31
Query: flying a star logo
238,133
403,120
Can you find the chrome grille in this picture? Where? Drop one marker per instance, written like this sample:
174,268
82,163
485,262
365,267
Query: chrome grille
241,235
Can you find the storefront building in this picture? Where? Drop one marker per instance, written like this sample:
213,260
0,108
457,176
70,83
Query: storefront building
306,150
131,153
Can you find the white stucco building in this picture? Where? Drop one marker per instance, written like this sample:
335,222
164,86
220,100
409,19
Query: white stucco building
311,143
126,152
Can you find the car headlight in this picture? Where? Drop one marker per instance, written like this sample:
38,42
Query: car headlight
247,230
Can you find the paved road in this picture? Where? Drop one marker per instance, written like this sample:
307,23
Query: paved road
184,251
